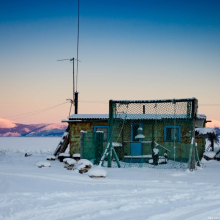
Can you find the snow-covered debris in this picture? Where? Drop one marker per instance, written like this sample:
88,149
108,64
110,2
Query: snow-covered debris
76,155
69,161
84,162
83,165
97,172
41,164
51,157
204,131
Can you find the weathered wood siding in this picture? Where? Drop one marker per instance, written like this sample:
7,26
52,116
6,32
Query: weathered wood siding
74,135
182,148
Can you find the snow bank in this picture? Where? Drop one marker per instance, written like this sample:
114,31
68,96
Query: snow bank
97,172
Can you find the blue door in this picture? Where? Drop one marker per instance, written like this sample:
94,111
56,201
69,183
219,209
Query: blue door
136,148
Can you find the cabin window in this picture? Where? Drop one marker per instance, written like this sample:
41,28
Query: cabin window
104,129
172,133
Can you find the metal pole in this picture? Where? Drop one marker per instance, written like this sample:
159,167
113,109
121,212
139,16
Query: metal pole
110,123
76,102
73,82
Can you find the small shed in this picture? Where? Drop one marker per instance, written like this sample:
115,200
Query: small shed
88,123
136,130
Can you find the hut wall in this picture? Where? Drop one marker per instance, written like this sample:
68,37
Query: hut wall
182,148
75,129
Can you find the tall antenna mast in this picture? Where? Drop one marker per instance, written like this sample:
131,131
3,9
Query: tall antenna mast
76,93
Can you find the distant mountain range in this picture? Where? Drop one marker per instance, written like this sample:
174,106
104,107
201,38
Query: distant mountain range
13,129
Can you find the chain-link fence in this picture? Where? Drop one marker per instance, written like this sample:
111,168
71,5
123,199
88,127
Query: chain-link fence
158,133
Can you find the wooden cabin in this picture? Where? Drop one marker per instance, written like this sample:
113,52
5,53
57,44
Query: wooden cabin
127,144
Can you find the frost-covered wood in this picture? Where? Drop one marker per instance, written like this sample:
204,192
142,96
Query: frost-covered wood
62,146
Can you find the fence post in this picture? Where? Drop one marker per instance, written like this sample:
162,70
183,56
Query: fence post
191,164
110,122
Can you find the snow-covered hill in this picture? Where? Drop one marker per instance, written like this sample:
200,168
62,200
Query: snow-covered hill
4,123
13,129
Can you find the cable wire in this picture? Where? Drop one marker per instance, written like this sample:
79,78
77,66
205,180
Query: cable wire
34,112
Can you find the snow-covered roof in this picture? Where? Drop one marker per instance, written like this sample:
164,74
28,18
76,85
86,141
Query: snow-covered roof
78,117
88,116
204,131
201,116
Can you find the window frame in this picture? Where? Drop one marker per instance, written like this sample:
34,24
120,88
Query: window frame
101,126
172,126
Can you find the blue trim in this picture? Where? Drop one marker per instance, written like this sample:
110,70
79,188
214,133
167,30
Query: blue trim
101,126
136,148
165,133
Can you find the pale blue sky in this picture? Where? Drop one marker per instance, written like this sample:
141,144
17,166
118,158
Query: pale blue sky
129,50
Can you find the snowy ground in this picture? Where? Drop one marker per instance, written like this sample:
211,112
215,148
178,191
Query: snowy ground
28,192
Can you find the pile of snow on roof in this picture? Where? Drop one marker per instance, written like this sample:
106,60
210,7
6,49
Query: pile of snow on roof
204,131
